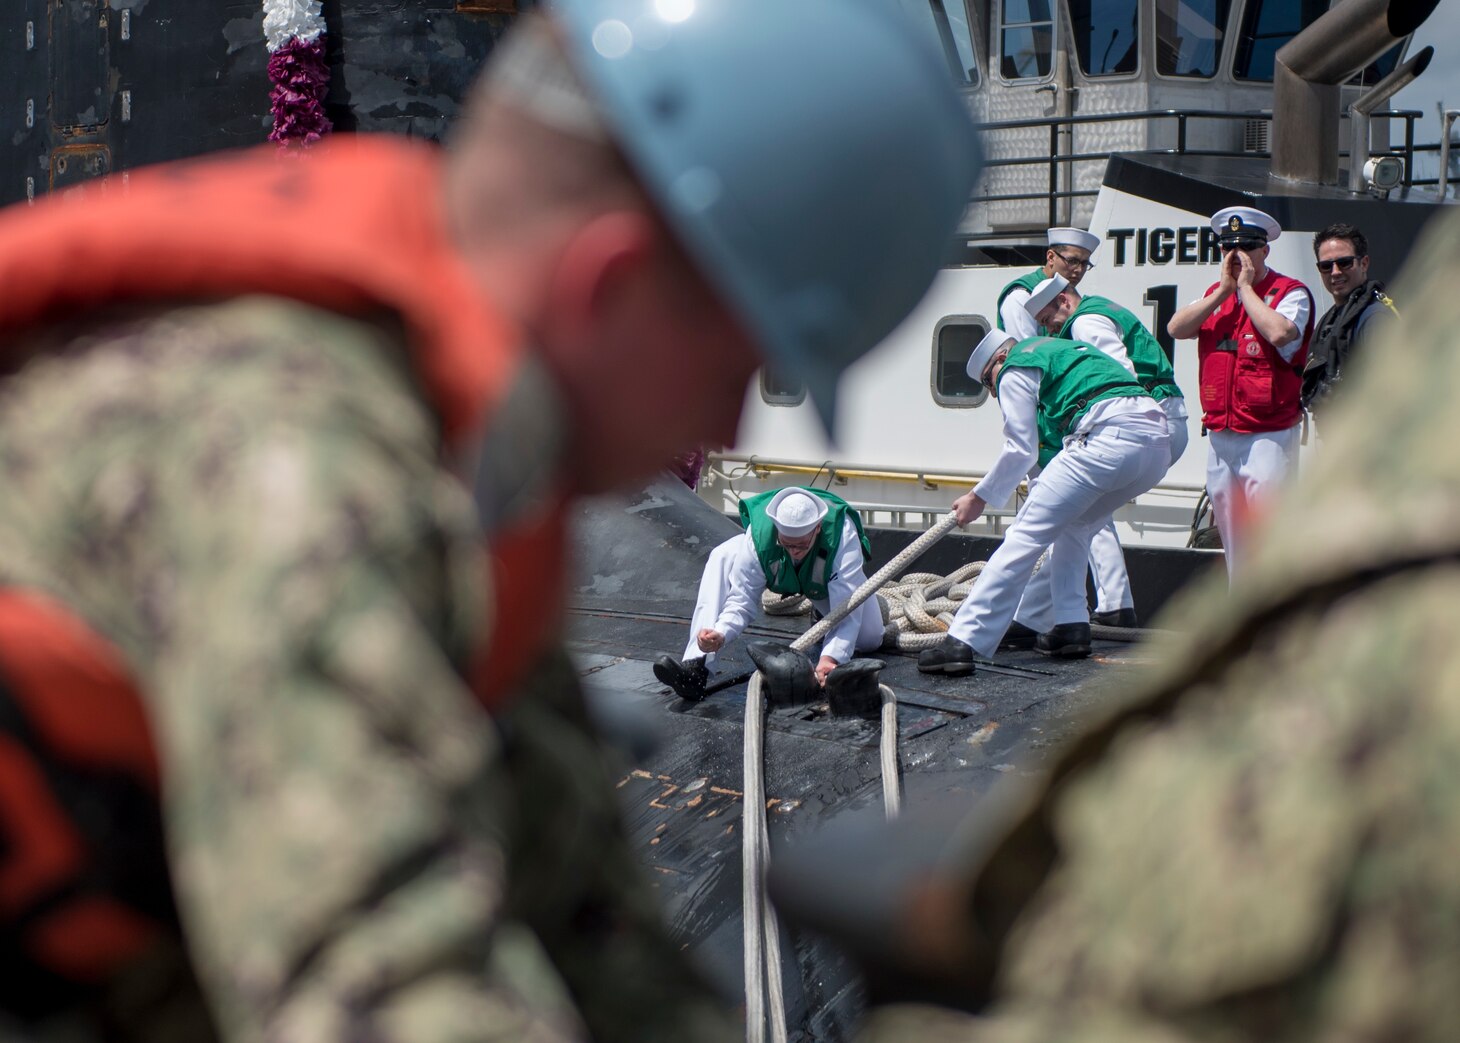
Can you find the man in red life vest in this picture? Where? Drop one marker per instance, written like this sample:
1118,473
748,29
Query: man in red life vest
1252,329
244,602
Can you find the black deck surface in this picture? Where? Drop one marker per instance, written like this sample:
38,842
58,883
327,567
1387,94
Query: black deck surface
959,738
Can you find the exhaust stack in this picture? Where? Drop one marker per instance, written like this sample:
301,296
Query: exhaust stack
1311,66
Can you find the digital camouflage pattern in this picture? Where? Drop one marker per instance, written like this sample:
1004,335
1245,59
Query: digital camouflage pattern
248,499
1260,843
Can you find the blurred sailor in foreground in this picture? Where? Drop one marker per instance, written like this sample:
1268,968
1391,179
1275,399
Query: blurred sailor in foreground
1115,447
246,602
1252,330
796,541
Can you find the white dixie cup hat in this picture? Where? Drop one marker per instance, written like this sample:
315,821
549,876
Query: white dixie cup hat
979,360
1073,237
796,512
1044,293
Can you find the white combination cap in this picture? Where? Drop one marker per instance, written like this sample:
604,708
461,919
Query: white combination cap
993,340
1073,237
1239,222
1044,293
796,512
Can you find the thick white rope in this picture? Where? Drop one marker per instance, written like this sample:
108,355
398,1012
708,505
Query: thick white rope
891,782
761,932
921,606
946,524
758,919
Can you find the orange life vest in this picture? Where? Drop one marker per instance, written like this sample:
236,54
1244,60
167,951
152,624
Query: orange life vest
354,225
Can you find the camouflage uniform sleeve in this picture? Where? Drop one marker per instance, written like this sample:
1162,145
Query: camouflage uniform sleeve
257,515
337,835
581,888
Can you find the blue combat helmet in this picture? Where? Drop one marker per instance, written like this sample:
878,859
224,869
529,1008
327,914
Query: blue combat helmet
812,156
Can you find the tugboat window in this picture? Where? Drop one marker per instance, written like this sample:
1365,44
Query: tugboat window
777,389
1026,42
1266,26
1189,36
946,24
957,20
953,341
1106,38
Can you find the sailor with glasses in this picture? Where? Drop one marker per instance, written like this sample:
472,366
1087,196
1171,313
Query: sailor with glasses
1252,329
796,541
1360,306
1115,447
1068,257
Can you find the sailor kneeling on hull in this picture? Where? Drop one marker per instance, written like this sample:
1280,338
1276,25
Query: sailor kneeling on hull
796,541
1116,447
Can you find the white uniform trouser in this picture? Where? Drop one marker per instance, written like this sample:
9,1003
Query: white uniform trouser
715,589
1107,560
1080,488
1243,472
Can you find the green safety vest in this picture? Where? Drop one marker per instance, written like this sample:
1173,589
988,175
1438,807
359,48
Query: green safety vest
1073,377
1024,282
1153,368
811,576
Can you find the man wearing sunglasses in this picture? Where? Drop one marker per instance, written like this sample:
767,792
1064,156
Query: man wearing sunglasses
796,541
1342,253
1068,257
1115,447
1252,329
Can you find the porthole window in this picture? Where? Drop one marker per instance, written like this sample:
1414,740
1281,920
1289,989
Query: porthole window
954,339
778,389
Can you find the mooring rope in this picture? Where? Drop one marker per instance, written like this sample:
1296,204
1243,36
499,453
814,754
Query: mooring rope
760,927
919,608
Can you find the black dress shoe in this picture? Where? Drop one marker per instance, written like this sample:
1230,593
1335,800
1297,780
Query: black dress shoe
688,679
1123,617
1019,636
1065,641
949,656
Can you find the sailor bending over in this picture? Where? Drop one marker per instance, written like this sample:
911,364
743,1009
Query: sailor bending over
796,541
1056,305
1115,447
1069,257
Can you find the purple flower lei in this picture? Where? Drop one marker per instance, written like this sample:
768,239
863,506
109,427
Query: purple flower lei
298,76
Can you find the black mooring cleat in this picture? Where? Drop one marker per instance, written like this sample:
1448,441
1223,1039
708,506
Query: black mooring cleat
790,679
854,690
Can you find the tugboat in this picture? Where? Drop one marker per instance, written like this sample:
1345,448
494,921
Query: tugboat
1137,121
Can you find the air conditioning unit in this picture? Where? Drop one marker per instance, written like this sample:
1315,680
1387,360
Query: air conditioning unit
1256,136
